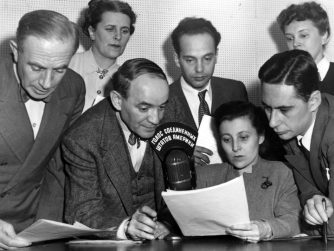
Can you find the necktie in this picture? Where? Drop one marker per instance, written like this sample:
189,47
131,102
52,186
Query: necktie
304,150
133,139
203,106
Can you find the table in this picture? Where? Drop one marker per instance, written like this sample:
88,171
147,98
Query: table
216,243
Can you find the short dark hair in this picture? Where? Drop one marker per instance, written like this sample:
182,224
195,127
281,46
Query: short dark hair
305,11
47,24
294,67
236,109
271,148
130,70
96,8
193,26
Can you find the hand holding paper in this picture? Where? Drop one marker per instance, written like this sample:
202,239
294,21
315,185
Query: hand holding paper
208,140
213,209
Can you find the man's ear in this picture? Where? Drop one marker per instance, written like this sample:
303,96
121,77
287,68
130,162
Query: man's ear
116,100
13,47
176,59
91,32
325,38
314,101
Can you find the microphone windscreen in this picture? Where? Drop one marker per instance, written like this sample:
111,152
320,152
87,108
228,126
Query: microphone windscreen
178,170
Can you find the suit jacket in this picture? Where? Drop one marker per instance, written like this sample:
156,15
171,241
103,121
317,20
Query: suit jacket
327,84
36,189
98,185
223,91
311,176
277,204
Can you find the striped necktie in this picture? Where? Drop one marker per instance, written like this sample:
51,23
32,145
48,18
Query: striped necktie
203,106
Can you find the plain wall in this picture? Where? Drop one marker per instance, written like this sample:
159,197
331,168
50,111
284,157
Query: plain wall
249,31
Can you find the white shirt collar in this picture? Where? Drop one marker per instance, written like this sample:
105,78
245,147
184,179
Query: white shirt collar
323,67
306,139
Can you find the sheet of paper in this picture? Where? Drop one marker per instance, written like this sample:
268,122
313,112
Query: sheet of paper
43,230
209,211
208,137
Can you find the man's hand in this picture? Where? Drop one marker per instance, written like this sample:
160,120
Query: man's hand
8,237
314,211
143,224
201,156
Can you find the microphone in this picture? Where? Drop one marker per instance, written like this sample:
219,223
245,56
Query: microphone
178,169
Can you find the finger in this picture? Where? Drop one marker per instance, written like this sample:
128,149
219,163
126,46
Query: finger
243,227
140,231
145,224
313,210
329,208
148,211
198,162
309,218
319,207
200,157
203,150
161,231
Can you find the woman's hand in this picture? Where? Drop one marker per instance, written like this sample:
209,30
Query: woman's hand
252,232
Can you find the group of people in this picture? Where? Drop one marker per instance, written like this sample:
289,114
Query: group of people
75,126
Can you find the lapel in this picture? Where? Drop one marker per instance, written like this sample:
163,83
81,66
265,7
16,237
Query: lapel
217,94
298,161
177,91
48,137
15,124
116,159
316,142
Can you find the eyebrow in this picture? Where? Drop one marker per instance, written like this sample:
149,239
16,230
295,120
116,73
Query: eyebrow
43,67
149,104
278,107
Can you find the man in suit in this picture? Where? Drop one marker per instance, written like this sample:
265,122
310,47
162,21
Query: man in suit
197,92
39,99
302,117
112,171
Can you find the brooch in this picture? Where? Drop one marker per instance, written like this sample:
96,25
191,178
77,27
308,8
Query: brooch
267,183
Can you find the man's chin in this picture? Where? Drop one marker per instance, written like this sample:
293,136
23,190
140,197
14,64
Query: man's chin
285,136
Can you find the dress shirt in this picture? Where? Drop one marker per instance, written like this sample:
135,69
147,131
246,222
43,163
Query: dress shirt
35,109
323,67
191,95
136,154
306,139
85,65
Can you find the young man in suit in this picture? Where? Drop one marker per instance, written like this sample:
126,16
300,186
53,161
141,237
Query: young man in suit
112,171
197,92
302,118
39,99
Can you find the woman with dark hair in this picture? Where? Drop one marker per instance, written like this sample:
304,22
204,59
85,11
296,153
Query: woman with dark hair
109,24
271,191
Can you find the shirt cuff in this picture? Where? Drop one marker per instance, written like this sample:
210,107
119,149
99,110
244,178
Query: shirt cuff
121,230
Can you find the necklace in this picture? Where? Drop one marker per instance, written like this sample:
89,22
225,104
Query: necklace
102,73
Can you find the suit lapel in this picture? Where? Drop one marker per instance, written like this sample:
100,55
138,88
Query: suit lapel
116,159
188,115
15,125
48,137
298,161
315,151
